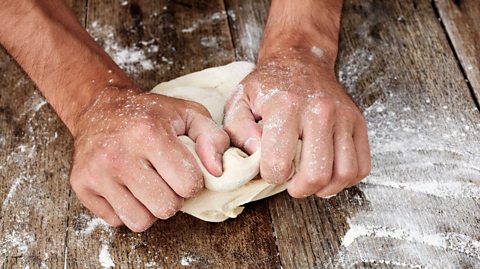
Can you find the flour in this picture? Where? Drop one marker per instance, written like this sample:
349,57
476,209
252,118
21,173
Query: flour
13,189
187,260
425,163
105,258
93,224
250,41
214,18
209,41
19,241
134,59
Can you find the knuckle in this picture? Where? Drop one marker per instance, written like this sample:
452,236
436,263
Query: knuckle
76,183
327,107
347,174
361,119
296,193
197,107
313,179
106,156
319,181
142,129
220,138
191,187
142,224
364,171
276,170
171,208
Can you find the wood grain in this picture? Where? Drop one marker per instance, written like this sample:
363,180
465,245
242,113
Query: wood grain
398,66
247,20
461,21
418,209
34,172
190,36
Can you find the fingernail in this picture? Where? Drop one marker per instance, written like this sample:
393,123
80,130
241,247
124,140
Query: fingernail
251,145
329,196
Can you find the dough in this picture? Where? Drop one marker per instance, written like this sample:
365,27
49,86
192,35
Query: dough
239,184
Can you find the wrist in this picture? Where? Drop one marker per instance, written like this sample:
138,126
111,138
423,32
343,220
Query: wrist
290,44
304,25
77,115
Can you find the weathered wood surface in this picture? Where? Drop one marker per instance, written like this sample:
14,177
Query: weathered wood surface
462,22
34,172
420,208
398,65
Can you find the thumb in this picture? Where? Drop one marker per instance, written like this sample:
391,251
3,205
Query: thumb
210,140
240,124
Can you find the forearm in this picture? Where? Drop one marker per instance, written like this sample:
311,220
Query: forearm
303,24
57,53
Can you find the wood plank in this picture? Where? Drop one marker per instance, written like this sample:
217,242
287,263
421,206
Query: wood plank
461,20
34,171
247,20
175,37
419,208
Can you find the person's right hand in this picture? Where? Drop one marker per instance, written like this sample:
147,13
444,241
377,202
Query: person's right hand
129,167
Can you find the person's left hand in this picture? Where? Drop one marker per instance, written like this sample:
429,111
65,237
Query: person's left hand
296,95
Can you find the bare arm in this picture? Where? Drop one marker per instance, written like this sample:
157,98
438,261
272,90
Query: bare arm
294,91
66,64
302,25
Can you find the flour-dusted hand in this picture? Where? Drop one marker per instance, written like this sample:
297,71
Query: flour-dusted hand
130,168
293,90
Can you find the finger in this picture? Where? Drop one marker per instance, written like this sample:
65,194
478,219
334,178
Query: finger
176,165
211,141
100,207
240,124
150,189
279,142
316,162
345,167
360,140
133,213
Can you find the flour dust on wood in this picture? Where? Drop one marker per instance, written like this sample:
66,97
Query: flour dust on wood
422,199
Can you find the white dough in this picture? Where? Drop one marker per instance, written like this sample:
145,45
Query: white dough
239,184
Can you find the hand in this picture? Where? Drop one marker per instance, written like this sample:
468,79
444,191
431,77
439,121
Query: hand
129,166
296,95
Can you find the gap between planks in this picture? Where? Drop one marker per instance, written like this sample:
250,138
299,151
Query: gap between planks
456,54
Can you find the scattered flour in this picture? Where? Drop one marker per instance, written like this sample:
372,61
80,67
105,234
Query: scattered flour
187,260
318,52
19,241
105,258
13,189
93,224
133,59
423,193
209,41
215,17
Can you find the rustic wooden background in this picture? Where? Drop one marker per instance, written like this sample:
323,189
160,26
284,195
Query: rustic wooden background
412,65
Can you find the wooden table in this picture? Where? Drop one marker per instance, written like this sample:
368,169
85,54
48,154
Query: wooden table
412,65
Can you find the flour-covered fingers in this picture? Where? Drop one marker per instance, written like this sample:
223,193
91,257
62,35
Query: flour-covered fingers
316,162
240,124
152,191
100,207
360,140
345,168
211,140
279,143
131,211
176,165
